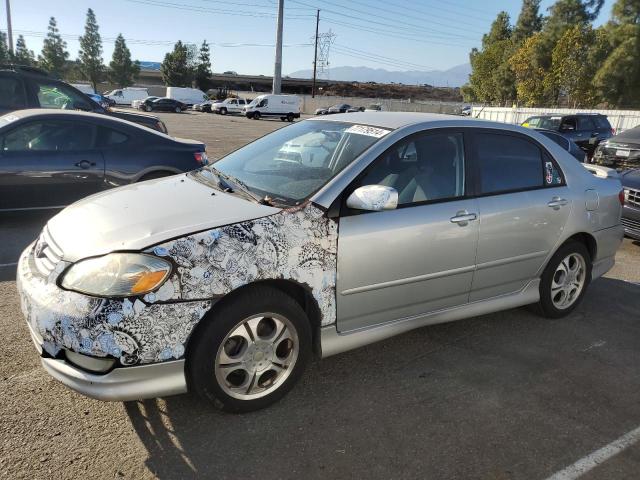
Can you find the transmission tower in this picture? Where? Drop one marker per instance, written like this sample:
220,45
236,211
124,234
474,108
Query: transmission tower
325,40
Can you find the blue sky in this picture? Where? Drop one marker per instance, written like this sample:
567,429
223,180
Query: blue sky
390,34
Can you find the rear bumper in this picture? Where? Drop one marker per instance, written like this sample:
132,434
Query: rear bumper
608,241
121,384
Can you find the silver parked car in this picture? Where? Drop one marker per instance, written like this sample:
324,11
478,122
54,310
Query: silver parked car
225,281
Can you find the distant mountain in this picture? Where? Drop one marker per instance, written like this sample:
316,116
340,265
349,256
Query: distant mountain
453,77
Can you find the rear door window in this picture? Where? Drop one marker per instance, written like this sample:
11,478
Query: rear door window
12,95
507,163
57,95
109,137
602,122
50,135
585,123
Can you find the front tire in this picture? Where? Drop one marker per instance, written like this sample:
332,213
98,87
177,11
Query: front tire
250,352
256,115
148,108
223,111
565,280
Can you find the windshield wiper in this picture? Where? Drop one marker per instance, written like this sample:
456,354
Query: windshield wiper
237,182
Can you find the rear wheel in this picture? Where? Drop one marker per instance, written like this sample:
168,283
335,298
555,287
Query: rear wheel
565,280
251,351
178,110
290,117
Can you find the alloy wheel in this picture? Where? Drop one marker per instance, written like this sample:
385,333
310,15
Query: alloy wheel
256,356
568,281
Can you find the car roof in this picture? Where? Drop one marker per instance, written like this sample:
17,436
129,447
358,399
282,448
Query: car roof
71,114
395,120
547,115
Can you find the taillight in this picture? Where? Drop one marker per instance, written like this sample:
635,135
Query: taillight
201,157
613,132
621,197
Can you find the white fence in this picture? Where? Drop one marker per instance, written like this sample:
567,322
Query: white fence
620,119
309,104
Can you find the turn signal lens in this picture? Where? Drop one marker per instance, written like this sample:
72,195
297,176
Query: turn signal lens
147,281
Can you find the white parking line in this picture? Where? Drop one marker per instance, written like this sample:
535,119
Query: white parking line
594,459
8,264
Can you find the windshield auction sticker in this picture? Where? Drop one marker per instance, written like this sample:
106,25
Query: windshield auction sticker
367,130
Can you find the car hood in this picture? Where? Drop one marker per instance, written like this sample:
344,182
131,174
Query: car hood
631,179
137,216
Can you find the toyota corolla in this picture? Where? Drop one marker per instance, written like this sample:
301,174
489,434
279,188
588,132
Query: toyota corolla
227,280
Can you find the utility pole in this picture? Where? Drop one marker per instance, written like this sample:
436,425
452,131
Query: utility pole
9,31
277,72
315,56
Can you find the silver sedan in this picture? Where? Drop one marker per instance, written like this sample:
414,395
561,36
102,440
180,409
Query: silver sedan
321,237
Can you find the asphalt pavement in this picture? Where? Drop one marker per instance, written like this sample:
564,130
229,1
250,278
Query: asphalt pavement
502,396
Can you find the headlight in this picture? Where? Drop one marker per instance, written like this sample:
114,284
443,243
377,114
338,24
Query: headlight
117,275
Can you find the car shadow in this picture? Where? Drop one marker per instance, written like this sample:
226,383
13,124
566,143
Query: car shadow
486,397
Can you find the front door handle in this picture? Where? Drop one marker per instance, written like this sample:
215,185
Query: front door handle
557,202
85,164
463,218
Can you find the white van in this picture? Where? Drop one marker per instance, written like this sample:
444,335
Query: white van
287,107
124,96
188,96
83,87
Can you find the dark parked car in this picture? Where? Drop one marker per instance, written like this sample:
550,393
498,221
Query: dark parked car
29,87
321,111
631,209
163,105
586,130
355,109
103,101
565,143
340,108
620,152
51,158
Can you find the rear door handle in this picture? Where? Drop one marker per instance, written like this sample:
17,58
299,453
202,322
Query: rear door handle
462,218
85,164
557,202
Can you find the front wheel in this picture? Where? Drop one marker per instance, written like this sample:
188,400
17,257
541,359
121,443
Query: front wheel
148,108
223,111
256,115
565,280
251,351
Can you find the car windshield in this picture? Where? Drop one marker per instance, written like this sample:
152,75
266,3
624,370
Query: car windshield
289,165
549,123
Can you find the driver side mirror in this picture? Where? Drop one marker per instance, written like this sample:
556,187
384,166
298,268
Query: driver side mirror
374,198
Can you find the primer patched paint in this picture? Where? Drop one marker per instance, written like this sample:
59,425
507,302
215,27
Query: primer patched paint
298,245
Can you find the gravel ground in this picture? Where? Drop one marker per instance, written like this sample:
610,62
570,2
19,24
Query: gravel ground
502,396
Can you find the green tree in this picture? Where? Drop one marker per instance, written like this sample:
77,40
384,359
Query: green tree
572,69
491,78
529,21
176,69
54,51
90,54
203,68
5,54
123,72
22,55
618,78
528,71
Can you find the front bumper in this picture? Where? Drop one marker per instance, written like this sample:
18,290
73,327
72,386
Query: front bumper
121,384
145,341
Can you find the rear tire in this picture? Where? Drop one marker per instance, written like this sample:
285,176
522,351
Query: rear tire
290,117
250,352
178,110
565,280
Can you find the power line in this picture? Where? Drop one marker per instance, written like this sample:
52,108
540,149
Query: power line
464,11
392,35
412,12
195,8
170,43
419,29
381,58
386,17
